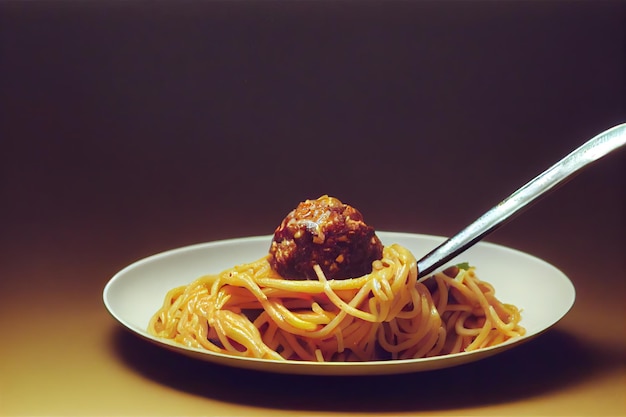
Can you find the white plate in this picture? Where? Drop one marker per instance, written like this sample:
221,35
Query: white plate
543,293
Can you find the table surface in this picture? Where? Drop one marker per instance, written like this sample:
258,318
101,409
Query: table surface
130,128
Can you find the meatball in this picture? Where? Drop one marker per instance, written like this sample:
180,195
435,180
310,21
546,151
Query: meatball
327,233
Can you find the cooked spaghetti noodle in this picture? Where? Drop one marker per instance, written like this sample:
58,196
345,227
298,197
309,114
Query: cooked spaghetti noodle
249,310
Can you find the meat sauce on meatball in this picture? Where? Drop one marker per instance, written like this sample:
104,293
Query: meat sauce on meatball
328,233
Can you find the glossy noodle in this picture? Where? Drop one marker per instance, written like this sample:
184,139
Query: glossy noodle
249,310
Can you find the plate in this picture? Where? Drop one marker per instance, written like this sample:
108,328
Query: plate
542,291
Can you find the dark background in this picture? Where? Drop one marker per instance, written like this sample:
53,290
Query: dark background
178,122
129,128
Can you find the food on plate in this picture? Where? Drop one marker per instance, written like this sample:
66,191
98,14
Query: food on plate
327,233
328,290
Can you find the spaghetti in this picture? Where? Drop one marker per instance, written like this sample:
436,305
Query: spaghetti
250,310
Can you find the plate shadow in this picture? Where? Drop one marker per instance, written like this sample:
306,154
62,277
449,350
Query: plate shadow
552,361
